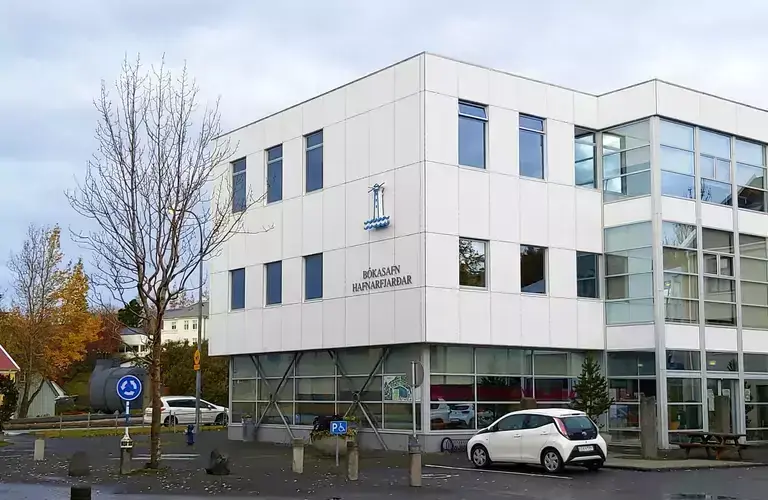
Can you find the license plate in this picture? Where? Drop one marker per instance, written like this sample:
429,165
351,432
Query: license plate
586,448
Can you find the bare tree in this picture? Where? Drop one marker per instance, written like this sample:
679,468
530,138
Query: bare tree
159,204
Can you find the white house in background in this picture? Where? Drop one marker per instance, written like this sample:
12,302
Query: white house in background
496,229
178,325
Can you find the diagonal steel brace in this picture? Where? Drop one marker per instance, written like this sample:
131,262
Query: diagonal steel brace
273,396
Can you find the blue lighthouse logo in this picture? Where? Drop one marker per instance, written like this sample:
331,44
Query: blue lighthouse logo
379,220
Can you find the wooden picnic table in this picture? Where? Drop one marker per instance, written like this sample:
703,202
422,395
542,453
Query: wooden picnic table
717,442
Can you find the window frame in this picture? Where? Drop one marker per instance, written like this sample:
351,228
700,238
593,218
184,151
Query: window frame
545,266
484,120
307,150
239,178
307,260
267,266
232,294
543,133
764,189
753,280
579,134
270,163
596,278
485,277
621,152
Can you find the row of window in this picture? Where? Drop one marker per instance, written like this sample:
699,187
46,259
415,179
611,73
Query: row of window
472,273
313,168
186,324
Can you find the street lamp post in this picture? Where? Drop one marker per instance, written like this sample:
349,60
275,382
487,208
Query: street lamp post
198,380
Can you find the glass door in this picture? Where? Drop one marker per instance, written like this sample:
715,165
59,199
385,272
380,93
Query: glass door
722,404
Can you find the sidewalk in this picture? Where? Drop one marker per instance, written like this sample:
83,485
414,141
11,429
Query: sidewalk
640,464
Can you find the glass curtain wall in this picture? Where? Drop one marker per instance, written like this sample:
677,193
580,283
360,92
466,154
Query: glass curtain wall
472,387
630,375
316,386
628,274
681,282
627,161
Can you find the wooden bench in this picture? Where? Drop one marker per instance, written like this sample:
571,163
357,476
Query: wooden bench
713,442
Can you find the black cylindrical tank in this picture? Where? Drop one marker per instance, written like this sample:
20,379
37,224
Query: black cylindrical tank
103,388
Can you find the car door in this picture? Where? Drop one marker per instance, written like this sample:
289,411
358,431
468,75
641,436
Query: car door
186,411
208,412
504,440
535,435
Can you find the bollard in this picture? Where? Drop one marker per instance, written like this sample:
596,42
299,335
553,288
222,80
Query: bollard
126,455
414,460
80,493
353,460
298,456
39,453
190,435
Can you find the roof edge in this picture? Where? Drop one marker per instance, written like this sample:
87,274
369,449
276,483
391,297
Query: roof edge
5,353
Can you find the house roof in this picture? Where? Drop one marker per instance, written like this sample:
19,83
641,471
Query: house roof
186,312
7,364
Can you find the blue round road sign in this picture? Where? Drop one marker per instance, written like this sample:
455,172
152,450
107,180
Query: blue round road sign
129,387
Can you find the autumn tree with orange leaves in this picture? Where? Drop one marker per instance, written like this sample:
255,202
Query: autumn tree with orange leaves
48,325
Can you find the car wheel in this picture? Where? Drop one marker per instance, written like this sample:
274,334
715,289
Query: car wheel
552,461
594,466
221,419
169,421
480,458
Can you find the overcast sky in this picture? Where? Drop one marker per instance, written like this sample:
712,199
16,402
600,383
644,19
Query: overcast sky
261,56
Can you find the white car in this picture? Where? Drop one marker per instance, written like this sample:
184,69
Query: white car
180,410
553,438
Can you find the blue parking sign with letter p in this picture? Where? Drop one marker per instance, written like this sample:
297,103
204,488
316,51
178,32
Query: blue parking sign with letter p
338,427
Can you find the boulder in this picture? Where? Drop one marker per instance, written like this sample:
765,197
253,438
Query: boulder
218,464
79,465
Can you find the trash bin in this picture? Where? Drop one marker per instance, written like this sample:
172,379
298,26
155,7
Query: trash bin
249,430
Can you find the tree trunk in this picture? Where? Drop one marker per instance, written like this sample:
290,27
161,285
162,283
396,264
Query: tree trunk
26,400
155,382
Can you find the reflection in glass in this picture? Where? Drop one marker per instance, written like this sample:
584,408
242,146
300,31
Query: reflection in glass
676,160
722,362
472,120
716,192
754,317
675,234
533,269
752,199
681,186
683,360
714,144
684,261
719,314
676,134
472,263
531,154
685,417
584,152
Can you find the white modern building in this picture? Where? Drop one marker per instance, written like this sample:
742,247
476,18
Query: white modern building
179,325
520,226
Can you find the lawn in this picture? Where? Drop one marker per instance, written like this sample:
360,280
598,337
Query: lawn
111,431
4,443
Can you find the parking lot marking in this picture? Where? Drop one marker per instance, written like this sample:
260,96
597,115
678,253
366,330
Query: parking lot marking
499,471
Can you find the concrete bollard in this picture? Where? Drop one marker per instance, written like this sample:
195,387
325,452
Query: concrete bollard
80,493
39,454
353,461
126,455
649,447
414,461
298,456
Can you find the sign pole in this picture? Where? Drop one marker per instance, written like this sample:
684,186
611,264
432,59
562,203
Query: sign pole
337,451
413,398
127,418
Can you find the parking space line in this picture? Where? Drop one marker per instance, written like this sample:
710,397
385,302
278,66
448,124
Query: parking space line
499,472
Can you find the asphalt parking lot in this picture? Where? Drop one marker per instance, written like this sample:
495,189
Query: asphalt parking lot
263,470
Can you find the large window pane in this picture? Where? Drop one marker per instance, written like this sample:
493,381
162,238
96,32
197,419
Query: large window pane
314,161
754,270
683,360
684,390
587,265
717,241
685,417
757,363
719,314
471,142
502,388
531,154
627,136
676,134
315,389
400,416
551,389
315,363
616,165
448,359
349,386
550,363
472,263
306,413
244,390
716,192
749,152
754,293
237,289
629,311
681,311
683,286
638,260
239,186
754,317
584,152
313,276
628,236
498,360
274,276
676,160
721,290
275,365
752,199
684,261
753,246
722,362
400,357
629,286
243,367
631,363
674,234
714,144
679,185
275,174
533,269
359,361
747,175
628,186
452,388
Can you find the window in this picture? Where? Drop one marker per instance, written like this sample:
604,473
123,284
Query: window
533,270
314,161
628,274
750,175
719,284
755,363
587,265
472,263
676,160
239,195
627,161
186,324
194,325
531,147
237,289
512,423
472,122
313,276
756,409
275,174
585,152
681,282
173,325
715,167
722,362
274,278
684,404
754,281
683,360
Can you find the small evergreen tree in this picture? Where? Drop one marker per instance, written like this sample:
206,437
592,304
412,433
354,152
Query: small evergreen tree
10,398
591,390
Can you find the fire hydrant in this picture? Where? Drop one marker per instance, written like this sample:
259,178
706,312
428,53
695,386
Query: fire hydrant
190,434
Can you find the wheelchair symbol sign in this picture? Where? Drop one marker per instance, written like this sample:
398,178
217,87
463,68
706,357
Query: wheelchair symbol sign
128,387
338,427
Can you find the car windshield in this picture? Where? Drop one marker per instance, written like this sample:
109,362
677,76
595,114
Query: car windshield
577,424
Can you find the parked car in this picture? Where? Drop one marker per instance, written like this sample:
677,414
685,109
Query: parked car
180,410
553,438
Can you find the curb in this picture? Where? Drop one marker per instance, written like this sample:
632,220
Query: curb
738,465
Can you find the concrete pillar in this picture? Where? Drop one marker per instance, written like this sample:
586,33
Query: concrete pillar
353,457
649,440
298,456
126,455
722,421
39,454
414,462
